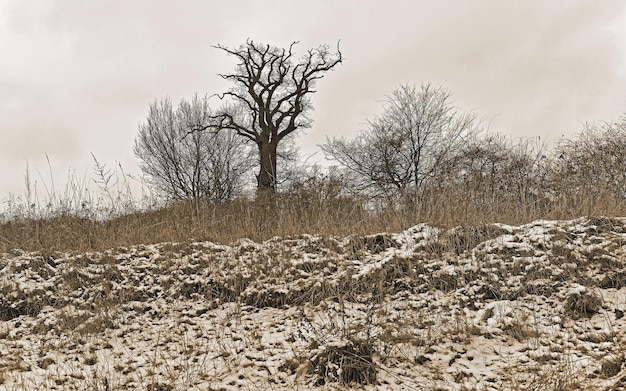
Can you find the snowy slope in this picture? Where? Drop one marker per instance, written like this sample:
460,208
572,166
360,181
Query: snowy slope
539,306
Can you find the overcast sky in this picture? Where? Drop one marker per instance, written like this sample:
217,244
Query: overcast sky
77,76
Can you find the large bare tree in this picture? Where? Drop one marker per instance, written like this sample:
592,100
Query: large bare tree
270,98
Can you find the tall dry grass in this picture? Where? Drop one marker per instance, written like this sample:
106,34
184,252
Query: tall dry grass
288,215
184,220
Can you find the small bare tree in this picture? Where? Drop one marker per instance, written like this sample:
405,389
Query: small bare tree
495,169
182,164
595,161
407,146
270,98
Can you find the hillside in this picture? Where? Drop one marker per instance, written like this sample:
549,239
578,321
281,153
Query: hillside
538,306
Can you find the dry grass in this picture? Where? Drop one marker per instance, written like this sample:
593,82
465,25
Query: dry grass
287,215
183,220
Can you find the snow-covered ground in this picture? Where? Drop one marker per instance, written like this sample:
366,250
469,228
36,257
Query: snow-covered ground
539,306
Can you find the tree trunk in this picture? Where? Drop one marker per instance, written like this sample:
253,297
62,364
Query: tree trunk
267,161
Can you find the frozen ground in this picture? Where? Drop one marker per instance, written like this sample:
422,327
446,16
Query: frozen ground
540,307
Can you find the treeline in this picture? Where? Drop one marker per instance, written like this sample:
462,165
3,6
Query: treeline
421,158
485,179
230,171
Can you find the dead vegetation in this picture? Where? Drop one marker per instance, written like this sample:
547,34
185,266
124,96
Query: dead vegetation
511,312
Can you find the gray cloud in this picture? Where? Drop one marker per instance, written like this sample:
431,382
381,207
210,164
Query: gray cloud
77,77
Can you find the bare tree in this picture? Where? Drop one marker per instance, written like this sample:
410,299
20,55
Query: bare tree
183,164
408,145
270,98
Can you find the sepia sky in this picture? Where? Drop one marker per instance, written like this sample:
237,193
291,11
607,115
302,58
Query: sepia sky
77,76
